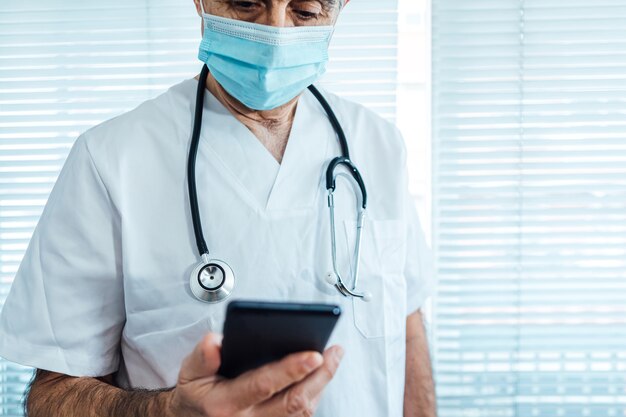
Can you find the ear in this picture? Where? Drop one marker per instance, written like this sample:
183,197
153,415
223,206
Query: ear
198,9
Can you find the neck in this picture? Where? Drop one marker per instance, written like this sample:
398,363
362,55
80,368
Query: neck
271,127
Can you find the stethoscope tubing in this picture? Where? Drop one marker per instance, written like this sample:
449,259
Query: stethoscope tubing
191,164
344,160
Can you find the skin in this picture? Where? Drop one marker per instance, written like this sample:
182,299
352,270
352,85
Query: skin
271,127
290,387
419,391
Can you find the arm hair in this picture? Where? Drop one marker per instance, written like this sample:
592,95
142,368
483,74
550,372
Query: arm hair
419,390
51,394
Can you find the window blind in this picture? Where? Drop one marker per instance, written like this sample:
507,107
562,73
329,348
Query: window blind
66,66
529,105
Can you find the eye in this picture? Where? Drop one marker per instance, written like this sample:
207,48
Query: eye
245,5
307,9
306,15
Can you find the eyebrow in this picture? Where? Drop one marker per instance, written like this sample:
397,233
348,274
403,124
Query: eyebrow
328,4
331,3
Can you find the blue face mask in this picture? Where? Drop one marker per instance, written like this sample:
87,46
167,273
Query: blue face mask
263,66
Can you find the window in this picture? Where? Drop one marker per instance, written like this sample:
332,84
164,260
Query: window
66,66
530,207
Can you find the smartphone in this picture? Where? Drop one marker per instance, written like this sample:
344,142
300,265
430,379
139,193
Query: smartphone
257,333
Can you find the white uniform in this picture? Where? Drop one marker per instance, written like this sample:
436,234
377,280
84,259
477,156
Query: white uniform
104,285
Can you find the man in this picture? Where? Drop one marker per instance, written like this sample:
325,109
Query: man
101,303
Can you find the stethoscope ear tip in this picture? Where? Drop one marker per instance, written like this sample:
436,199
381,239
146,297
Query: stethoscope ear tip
367,296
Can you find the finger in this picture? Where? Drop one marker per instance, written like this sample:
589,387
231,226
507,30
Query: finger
256,386
204,361
301,399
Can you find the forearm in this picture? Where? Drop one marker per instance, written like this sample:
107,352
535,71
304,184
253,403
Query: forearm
54,394
419,393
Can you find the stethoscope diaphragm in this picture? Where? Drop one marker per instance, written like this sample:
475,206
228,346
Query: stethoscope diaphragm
212,280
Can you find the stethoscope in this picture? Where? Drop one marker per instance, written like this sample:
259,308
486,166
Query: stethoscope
213,280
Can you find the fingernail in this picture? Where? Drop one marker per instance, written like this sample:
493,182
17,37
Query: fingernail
313,361
339,353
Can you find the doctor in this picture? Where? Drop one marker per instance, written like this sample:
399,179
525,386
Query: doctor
102,304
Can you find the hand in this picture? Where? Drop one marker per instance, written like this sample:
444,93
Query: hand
289,387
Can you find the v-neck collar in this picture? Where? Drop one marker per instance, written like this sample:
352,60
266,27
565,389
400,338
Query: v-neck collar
298,182
270,186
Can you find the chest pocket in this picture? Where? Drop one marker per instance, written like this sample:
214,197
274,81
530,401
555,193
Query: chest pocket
380,273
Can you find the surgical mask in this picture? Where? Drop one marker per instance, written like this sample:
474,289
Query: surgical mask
263,66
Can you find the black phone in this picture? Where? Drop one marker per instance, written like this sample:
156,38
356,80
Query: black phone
256,333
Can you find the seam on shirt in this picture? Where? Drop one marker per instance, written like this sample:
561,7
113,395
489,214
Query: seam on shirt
102,183
117,222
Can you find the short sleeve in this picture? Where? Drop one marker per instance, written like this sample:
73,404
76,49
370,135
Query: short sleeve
418,269
65,309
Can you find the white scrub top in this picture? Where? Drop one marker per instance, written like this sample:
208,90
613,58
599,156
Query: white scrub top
104,284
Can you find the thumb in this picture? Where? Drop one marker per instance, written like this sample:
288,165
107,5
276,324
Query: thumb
204,361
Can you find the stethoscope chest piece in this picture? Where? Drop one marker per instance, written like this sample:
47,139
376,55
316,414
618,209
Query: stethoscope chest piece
212,281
